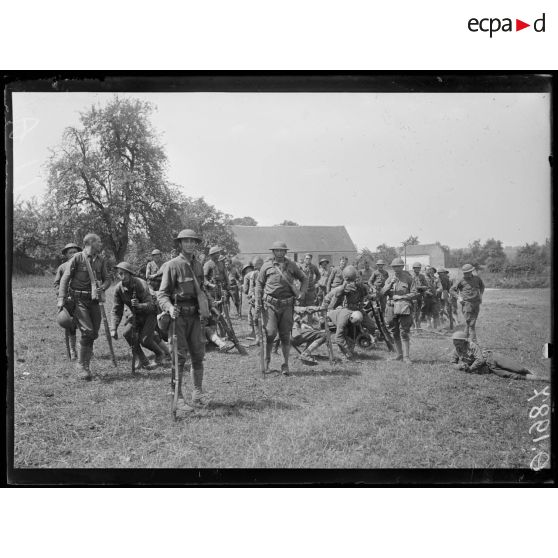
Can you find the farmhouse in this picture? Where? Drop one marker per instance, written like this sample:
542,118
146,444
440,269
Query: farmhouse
426,254
321,242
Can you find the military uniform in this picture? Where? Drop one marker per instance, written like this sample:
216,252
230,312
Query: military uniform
431,301
234,280
446,300
216,279
421,284
376,283
322,283
335,278
470,290
313,275
153,269
340,318
76,284
308,334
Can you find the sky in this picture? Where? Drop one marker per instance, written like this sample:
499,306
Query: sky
447,167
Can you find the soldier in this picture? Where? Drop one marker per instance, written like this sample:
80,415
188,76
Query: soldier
364,274
421,286
250,291
276,294
313,275
468,356
431,303
153,270
469,293
215,275
134,293
183,278
341,317
307,331
68,252
377,281
336,276
445,298
401,291
235,280
79,282
322,281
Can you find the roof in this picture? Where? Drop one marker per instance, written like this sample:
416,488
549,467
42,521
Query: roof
328,240
418,249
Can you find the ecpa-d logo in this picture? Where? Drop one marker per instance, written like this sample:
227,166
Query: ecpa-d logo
495,24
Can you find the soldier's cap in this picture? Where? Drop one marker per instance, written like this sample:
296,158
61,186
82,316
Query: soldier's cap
442,270
324,260
417,264
126,267
63,319
350,272
188,233
397,262
215,250
279,245
380,262
467,268
156,252
70,245
459,336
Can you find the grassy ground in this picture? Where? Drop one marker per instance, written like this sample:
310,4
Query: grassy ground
371,413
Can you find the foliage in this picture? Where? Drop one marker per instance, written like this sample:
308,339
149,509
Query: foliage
246,221
287,223
411,241
385,252
29,236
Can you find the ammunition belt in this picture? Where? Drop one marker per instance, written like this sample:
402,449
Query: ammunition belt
279,301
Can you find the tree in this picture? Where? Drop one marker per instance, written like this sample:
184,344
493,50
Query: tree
287,223
29,238
365,255
111,169
246,221
411,241
387,253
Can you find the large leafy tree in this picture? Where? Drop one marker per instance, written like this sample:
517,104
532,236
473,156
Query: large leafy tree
110,170
246,221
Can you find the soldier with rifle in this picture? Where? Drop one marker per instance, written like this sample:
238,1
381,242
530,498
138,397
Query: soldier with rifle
183,296
469,293
79,282
152,271
431,304
376,283
276,294
139,330
421,286
216,279
250,291
68,252
446,303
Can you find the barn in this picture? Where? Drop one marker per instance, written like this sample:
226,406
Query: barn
426,254
321,242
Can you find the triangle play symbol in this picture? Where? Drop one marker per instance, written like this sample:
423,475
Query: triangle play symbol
519,25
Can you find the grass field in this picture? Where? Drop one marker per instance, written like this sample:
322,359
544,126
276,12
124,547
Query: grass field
371,414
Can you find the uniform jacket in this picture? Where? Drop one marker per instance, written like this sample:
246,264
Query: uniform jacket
471,355
445,282
348,295
403,287
123,297
58,276
471,289
312,272
215,273
234,278
434,285
340,317
270,280
378,279
77,277
324,276
335,278
419,281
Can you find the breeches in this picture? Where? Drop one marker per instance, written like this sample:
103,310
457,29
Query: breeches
146,328
506,367
189,340
399,326
87,315
278,320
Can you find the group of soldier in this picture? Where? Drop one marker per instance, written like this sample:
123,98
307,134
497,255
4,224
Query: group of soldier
289,304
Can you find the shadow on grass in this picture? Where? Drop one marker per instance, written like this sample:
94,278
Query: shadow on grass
314,371
127,376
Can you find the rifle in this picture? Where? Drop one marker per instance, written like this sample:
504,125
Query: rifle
175,372
69,355
104,316
135,336
263,341
227,326
328,337
379,319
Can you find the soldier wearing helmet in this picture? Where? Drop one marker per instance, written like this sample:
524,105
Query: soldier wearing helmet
234,280
84,280
249,288
153,270
421,286
377,281
469,357
183,281
134,293
401,291
336,276
365,272
446,300
215,274
350,297
322,281
431,300
313,275
276,294
68,252
469,293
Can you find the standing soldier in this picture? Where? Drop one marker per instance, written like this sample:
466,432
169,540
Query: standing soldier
401,292
432,295
153,270
234,279
276,294
364,274
376,283
313,275
79,283
68,252
322,282
336,276
134,293
445,297
469,293
182,287
421,285
250,292
215,275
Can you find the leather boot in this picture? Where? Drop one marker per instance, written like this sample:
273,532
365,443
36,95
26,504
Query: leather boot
398,351
73,351
82,366
198,397
405,346
165,356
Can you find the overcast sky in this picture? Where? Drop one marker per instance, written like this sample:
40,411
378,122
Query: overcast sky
444,167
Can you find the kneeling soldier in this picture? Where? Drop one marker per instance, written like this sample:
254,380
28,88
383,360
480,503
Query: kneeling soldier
276,294
468,356
341,317
134,293
307,331
183,281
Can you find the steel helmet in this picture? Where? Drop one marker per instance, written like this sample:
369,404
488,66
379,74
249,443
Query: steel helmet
432,268
70,245
417,264
442,270
467,268
356,317
258,260
279,245
64,319
459,336
246,267
380,262
156,252
215,250
324,260
126,267
188,233
350,272
397,262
